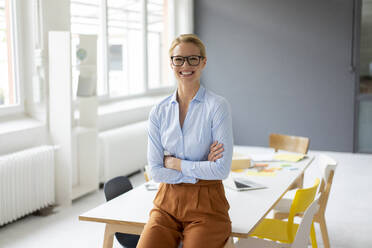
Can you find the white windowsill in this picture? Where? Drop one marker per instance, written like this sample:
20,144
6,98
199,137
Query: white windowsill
19,122
127,105
130,104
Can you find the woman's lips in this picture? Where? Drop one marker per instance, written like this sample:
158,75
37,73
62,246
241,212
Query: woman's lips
186,73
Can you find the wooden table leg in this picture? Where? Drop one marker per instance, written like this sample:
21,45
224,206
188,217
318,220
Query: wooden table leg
109,237
298,183
111,229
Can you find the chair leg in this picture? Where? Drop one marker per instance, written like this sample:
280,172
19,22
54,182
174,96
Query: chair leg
324,231
313,237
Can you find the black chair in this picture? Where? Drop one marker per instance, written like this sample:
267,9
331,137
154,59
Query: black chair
113,188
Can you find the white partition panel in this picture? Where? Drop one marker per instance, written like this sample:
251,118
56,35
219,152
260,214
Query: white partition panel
60,109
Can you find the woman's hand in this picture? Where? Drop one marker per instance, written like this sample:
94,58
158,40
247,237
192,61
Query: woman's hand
215,152
172,163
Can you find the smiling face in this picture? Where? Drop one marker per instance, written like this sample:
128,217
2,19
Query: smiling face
187,73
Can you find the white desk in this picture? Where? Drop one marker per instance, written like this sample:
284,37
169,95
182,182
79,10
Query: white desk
129,212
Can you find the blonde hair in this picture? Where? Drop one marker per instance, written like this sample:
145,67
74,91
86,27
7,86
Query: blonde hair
188,38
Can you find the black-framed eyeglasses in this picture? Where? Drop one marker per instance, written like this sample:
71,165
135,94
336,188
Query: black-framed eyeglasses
193,60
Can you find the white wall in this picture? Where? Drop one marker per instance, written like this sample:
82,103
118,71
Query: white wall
284,66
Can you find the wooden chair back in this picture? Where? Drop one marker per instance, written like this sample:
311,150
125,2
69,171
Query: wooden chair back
289,143
328,167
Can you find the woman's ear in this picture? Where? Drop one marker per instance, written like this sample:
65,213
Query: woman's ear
170,63
204,62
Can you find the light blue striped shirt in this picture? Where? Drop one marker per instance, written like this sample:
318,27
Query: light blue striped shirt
208,119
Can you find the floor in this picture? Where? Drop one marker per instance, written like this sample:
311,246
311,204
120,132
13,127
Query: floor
348,213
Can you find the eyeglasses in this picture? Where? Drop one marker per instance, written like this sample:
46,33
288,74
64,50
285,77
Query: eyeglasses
193,60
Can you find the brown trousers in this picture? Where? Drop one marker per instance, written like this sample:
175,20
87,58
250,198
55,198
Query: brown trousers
197,214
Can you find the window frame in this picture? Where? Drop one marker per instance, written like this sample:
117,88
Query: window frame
103,33
15,10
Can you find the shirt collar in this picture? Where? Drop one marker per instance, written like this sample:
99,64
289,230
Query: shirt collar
174,97
199,96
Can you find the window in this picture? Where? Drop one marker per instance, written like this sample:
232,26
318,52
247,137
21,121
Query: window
85,20
9,88
132,44
158,60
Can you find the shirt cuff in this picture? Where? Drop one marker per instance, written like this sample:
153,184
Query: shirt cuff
187,167
191,180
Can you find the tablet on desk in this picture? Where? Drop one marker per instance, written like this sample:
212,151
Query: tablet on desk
240,184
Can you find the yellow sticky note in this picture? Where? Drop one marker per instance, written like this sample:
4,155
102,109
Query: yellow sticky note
238,170
289,157
261,173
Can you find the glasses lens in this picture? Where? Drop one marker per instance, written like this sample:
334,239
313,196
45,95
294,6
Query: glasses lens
178,60
193,60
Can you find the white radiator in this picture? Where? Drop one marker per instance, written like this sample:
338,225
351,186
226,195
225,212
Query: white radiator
123,150
26,182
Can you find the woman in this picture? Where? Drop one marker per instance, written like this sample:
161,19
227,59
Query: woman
189,151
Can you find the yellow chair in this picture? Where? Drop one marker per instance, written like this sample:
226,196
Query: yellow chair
285,231
300,241
289,143
327,165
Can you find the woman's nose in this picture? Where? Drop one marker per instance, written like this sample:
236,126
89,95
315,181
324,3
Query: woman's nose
185,64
